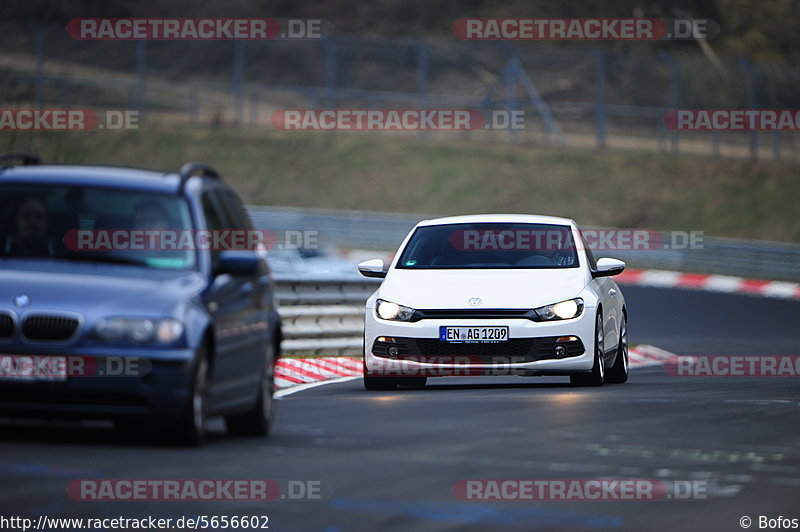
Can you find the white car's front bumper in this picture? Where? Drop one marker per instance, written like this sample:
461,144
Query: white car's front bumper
423,354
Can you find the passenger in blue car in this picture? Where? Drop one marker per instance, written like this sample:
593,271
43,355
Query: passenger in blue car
30,238
150,216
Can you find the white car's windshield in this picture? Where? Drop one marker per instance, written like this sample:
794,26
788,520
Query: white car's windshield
490,246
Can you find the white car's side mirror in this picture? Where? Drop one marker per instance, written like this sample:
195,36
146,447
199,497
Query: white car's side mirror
372,268
608,267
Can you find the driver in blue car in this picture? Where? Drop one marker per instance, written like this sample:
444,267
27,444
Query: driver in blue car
30,238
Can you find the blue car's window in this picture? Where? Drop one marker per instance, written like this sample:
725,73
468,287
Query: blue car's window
96,224
490,246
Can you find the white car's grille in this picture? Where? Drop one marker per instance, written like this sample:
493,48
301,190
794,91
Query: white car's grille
484,314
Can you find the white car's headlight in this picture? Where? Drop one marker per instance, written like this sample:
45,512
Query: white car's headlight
387,310
138,330
563,310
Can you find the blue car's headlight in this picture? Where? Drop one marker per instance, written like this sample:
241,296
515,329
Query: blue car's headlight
563,310
138,330
386,310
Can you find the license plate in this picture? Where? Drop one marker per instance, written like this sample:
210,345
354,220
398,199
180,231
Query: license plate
33,368
474,335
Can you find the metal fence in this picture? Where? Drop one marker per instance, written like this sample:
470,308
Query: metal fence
323,315
606,96
384,232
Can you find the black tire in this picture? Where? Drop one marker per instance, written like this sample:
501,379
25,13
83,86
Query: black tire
596,377
379,383
135,429
190,427
258,420
375,383
413,381
618,373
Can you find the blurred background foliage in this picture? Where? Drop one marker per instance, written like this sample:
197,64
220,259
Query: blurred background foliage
761,30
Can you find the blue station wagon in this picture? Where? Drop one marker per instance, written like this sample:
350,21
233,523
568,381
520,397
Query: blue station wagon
158,337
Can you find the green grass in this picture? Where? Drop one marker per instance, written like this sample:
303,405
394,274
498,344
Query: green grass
440,175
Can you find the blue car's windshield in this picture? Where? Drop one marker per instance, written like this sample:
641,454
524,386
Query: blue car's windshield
95,224
490,246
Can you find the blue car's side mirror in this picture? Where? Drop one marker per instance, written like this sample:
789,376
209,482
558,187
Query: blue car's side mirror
239,262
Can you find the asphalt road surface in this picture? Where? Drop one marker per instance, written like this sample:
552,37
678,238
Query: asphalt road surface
390,460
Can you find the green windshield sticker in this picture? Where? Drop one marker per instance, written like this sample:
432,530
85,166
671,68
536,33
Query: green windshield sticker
166,262
411,262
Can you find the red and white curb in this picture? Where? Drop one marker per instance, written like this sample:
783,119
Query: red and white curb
308,372
711,283
647,355
297,371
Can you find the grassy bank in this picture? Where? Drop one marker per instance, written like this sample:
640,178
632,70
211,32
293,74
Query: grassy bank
397,173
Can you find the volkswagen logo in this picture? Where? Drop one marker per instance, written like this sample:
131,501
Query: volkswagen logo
22,301
474,301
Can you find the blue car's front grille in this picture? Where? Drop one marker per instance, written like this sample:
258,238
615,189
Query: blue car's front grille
49,328
6,326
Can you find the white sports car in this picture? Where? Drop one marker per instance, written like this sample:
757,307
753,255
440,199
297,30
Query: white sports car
495,295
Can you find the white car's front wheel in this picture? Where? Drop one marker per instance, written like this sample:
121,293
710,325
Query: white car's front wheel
618,373
379,383
597,376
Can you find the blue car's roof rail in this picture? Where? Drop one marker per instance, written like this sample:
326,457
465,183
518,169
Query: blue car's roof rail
195,169
6,160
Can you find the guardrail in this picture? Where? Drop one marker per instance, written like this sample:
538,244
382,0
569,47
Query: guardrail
385,231
322,315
